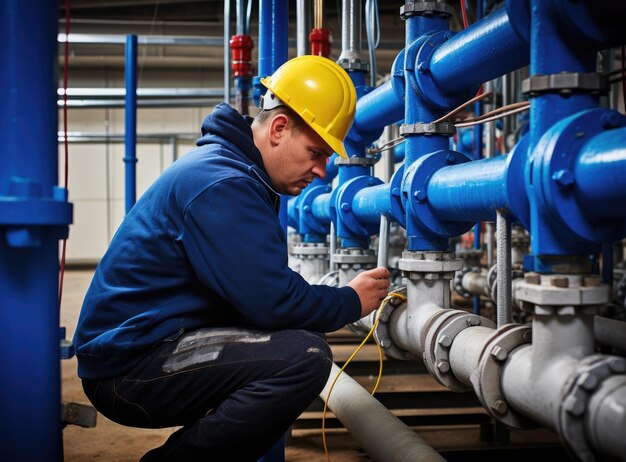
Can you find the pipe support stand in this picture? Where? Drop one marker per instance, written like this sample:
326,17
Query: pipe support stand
487,377
574,410
442,330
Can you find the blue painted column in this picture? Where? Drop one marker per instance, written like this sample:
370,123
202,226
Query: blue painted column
130,122
34,214
273,52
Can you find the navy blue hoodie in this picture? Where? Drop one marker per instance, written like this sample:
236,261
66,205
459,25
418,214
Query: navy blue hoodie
202,247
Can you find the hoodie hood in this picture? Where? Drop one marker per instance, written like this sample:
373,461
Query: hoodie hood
226,125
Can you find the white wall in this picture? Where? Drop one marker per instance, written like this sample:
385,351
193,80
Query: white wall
96,170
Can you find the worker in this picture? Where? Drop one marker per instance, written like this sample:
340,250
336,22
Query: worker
193,318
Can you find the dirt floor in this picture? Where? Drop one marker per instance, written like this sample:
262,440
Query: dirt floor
111,442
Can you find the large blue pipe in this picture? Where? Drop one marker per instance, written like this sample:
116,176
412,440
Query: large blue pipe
34,214
600,175
485,50
379,108
273,52
552,53
471,191
370,203
130,122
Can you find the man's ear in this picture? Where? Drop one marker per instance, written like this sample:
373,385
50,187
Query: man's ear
278,128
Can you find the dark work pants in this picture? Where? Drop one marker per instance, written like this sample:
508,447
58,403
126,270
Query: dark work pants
234,391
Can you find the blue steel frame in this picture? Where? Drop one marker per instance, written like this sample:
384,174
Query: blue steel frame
34,215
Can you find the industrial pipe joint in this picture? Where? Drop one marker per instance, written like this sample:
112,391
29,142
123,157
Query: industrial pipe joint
421,217
564,178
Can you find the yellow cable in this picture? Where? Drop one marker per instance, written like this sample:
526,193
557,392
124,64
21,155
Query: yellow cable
384,302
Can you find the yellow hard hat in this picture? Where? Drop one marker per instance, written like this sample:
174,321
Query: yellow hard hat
320,92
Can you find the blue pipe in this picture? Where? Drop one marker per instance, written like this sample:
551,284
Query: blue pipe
370,203
273,52
34,214
379,108
551,53
487,49
600,175
320,208
130,122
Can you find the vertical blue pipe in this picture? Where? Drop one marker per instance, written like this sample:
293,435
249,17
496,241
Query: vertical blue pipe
130,121
273,52
30,425
415,111
552,53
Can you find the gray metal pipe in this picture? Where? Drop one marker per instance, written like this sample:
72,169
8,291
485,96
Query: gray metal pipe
301,28
382,435
610,332
351,32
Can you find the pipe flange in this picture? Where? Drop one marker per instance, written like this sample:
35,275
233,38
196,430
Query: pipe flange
425,8
442,128
458,281
439,338
578,390
345,213
487,377
382,332
304,249
415,194
356,160
565,83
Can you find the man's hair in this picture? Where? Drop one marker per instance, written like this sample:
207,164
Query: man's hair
266,114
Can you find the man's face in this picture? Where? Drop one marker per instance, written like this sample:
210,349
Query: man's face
299,158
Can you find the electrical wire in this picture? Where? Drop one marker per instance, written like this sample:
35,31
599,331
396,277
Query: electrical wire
383,303
464,14
66,142
508,107
495,117
455,111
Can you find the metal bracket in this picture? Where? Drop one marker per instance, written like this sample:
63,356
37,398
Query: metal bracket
442,128
565,83
424,8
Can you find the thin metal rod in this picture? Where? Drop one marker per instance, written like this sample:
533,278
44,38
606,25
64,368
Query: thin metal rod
333,246
301,27
503,270
227,51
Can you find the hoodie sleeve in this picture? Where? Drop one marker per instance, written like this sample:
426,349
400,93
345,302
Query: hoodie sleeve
238,249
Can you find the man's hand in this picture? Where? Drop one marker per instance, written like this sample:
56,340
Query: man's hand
372,287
